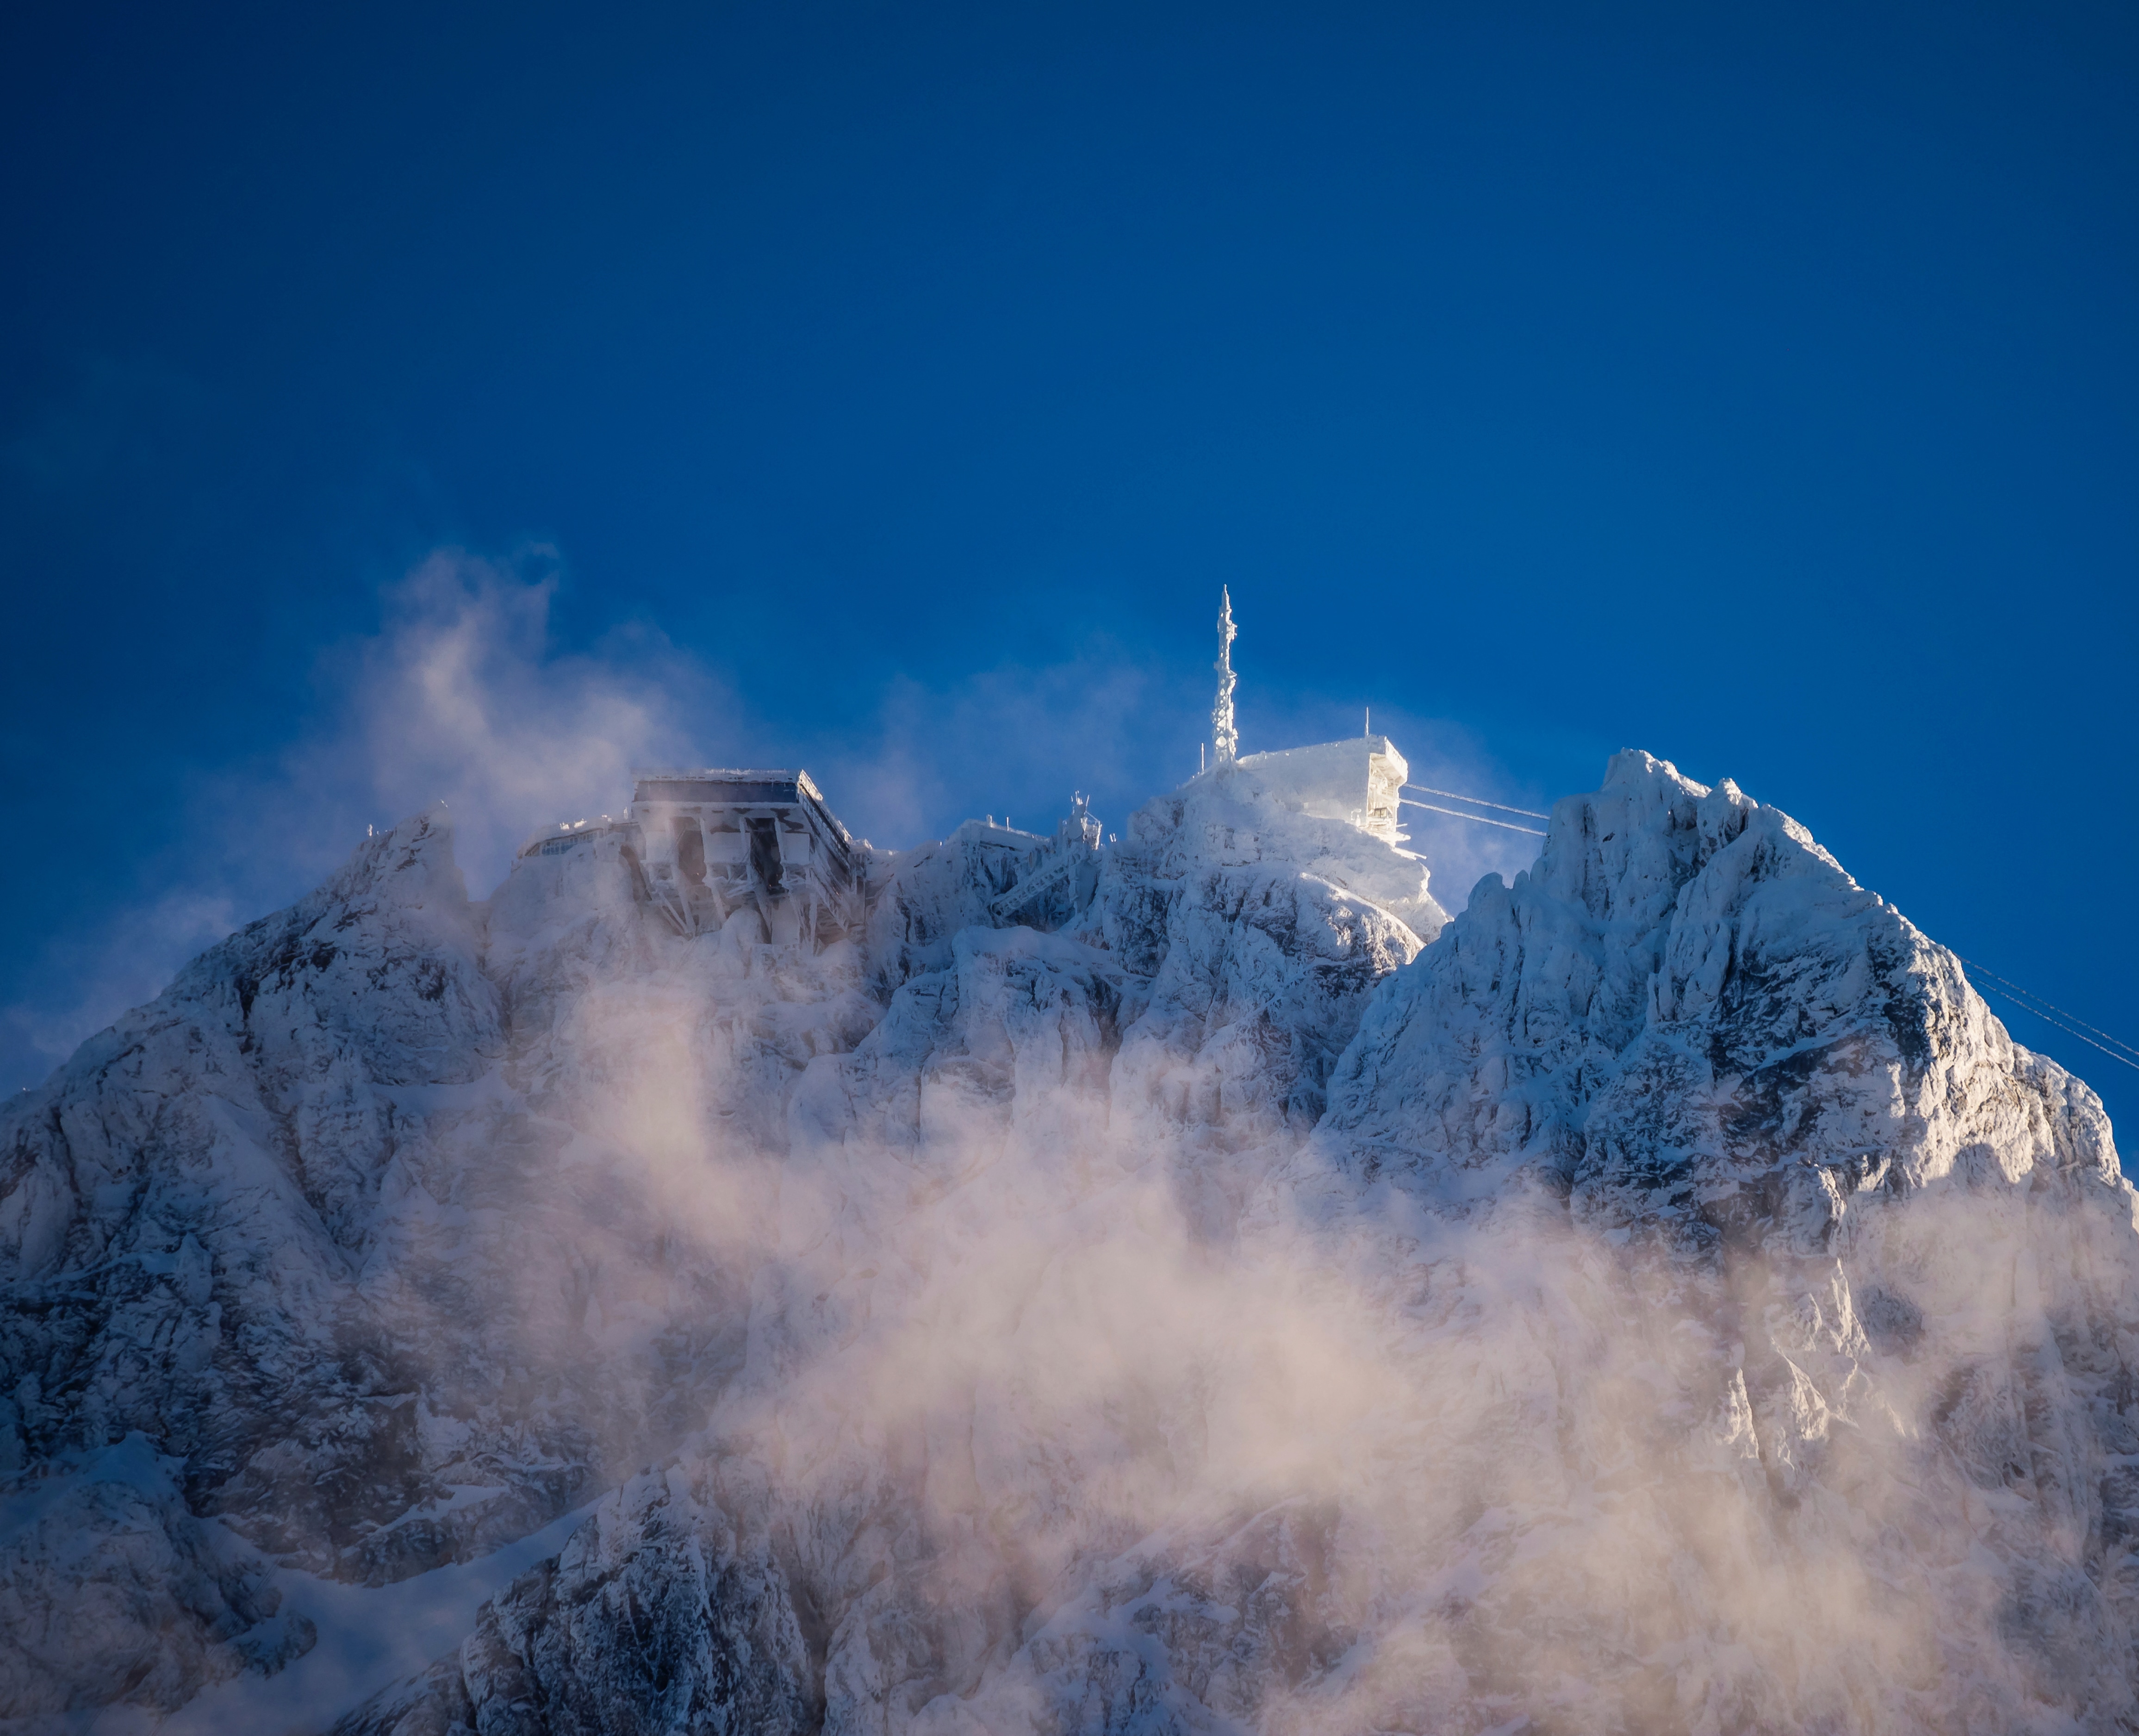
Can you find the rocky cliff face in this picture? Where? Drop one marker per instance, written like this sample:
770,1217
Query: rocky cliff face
1666,1301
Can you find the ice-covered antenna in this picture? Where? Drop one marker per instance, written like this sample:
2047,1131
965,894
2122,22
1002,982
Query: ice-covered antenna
1225,739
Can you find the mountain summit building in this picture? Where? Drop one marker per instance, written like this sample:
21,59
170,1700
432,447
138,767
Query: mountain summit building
707,843
1359,780
720,837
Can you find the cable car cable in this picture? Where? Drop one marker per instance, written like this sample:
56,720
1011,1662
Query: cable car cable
1476,801
2007,995
1475,820
2014,991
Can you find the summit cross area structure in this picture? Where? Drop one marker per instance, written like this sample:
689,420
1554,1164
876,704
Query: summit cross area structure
1225,739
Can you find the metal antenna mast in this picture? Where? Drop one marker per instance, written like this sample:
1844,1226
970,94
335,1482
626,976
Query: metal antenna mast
1225,739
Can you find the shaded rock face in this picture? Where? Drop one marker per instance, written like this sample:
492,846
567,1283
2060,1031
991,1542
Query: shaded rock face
1667,1301
368,1223
656,1617
189,1202
154,1601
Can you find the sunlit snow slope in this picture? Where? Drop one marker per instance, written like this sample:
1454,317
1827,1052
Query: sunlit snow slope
1666,1301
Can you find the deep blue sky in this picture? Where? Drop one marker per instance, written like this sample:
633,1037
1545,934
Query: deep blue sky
895,387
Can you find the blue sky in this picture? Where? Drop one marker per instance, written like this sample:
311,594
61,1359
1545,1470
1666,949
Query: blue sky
892,389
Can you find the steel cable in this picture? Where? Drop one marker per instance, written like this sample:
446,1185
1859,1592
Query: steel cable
2050,1013
1476,801
1476,820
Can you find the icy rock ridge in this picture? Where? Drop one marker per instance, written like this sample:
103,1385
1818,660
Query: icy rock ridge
1685,993
1667,1302
1692,1314
399,1221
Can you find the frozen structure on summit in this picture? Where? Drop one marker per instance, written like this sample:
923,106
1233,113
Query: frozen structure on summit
1359,781
762,839
706,848
759,854
1071,868
1225,738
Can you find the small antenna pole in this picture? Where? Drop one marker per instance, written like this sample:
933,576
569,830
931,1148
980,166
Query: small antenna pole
1225,740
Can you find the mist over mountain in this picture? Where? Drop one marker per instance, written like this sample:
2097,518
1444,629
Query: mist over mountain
1169,1280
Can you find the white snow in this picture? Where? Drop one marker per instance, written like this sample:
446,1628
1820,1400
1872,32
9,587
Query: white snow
1234,1297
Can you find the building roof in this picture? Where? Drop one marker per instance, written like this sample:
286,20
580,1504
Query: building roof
740,787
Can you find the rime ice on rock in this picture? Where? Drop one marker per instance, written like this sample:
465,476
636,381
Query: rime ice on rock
983,875
1136,1289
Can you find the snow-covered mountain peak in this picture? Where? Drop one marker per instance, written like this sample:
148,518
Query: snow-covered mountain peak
1162,1283
411,865
1623,852
1687,987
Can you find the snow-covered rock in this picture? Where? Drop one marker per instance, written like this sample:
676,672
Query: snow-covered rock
1666,1301
106,1578
314,1224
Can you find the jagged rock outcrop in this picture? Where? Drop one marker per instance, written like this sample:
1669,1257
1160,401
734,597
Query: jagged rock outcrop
1893,1251
1667,1301
372,1222
671,1622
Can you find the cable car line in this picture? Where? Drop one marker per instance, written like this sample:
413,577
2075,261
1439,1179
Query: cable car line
2048,1011
1480,820
2071,1023
2008,994
1477,802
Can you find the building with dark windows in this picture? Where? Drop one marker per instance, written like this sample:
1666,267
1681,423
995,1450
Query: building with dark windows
716,840
707,845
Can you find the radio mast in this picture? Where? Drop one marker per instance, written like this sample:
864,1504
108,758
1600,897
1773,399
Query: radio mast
1225,739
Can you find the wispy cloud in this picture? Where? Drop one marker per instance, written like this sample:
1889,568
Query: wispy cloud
462,694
